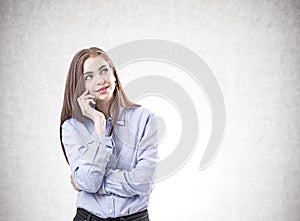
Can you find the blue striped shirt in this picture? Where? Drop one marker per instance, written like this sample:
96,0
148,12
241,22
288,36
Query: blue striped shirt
114,173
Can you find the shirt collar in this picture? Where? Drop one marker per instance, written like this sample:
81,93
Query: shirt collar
121,118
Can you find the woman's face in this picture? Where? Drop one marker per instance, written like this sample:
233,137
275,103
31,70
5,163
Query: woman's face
99,78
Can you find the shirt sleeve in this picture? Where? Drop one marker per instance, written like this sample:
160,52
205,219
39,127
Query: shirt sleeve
139,180
88,160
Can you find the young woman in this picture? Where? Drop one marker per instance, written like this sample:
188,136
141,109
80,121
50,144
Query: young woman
109,142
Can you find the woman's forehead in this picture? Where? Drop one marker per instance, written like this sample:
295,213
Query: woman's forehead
94,63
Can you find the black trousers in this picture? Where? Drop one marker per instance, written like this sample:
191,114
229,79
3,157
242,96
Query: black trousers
83,215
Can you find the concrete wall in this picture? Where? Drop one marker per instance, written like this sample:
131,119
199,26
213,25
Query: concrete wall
252,47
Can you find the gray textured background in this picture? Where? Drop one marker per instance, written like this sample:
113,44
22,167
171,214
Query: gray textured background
252,48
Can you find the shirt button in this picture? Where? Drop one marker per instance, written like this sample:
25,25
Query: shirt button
110,211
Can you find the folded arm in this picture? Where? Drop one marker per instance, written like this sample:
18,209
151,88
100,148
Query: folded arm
87,161
139,180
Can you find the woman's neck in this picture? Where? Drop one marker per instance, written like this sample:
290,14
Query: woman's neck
103,106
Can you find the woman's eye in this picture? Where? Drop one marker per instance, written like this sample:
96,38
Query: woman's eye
88,77
104,71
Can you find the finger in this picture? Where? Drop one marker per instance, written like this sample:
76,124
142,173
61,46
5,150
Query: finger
92,101
83,97
88,100
84,93
73,184
74,187
89,96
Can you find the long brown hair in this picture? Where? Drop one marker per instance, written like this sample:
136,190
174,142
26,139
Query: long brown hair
75,87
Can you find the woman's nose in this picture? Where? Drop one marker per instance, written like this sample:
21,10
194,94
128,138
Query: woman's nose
100,79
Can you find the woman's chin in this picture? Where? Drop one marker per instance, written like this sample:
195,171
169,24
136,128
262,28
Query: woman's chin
103,97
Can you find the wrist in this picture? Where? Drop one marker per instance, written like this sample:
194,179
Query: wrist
98,117
99,125
99,130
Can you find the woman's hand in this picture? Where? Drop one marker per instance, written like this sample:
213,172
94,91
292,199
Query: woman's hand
98,117
73,184
84,102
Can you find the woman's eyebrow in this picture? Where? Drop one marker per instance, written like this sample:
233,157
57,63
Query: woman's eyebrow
90,72
101,67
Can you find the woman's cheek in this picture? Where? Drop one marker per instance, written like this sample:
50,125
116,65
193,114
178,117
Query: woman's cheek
89,88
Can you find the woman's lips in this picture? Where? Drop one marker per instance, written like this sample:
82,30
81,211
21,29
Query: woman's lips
102,90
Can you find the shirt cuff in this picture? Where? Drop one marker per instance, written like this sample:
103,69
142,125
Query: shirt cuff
102,139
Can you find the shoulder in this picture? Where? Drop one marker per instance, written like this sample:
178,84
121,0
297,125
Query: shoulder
139,112
68,123
140,117
72,123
